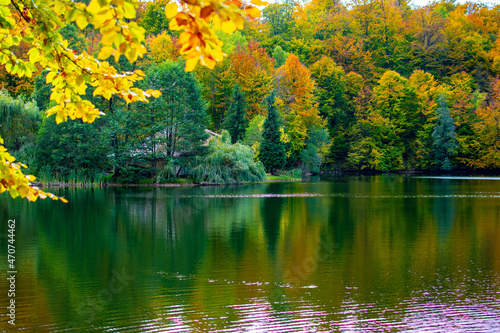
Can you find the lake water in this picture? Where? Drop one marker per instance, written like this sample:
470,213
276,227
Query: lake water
378,253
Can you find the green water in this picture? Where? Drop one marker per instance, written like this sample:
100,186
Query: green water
381,253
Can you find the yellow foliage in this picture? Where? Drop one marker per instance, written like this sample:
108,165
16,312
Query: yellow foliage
199,19
161,48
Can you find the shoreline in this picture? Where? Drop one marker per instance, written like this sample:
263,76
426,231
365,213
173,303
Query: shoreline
330,173
90,185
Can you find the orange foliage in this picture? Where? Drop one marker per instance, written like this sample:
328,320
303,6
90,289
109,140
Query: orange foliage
487,132
296,100
253,69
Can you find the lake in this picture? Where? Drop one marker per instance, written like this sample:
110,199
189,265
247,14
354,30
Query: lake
344,253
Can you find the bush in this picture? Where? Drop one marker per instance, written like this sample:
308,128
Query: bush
228,163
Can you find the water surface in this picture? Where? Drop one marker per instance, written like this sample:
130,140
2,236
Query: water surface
380,253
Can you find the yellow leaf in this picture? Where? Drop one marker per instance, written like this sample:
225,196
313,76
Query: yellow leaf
253,12
94,7
105,52
171,10
50,77
259,2
191,64
228,27
129,9
34,55
81,21
109,37
208,62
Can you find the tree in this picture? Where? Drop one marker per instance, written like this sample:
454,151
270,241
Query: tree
38,24
162,47
153,19
375,145
253,69
280,56
65,149
217,87
317,146
331,91
423,117
19,121
486,143
236,117
170,128
272,150
295,90
444,138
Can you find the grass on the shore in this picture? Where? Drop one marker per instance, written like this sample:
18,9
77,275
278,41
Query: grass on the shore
295,174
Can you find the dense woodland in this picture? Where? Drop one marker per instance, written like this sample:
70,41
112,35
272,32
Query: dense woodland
369,85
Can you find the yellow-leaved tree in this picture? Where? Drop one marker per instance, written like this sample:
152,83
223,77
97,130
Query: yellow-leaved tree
38,23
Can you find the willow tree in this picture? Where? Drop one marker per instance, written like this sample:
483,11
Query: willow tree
228,163
19,121
38,23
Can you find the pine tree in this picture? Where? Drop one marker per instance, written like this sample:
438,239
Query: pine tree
272,149
236,118
444,137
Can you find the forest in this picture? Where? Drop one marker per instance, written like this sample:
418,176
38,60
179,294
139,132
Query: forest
367,85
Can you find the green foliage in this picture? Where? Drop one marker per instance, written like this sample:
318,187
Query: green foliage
236,117
154,19
445,142
169,129
317,146
376,145
72,146
42,91
19,121
228,163
272,149
280,56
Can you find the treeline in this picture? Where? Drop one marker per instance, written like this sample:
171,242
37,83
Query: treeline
395,87
362,85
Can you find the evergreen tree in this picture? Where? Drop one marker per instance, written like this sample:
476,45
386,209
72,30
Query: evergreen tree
272,149
445,142
236,120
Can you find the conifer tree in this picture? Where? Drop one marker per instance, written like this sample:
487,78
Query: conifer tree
236,120
272,149
444,137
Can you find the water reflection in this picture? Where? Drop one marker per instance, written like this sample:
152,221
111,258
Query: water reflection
351,253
